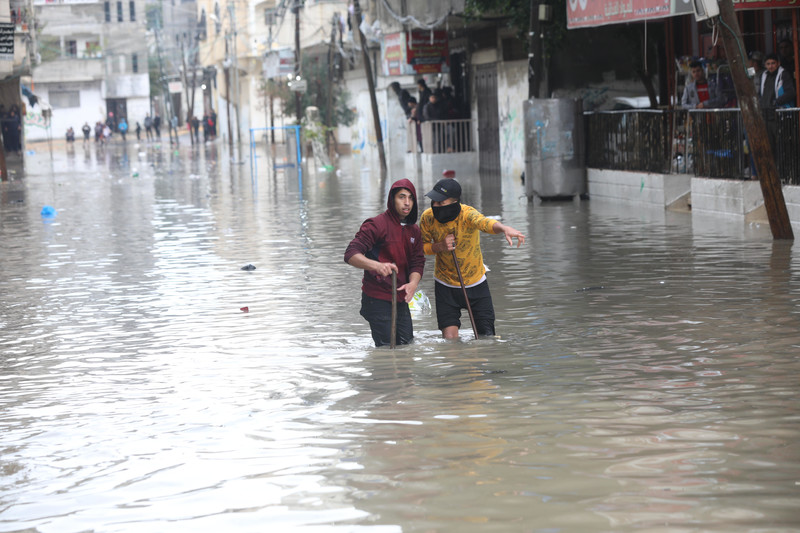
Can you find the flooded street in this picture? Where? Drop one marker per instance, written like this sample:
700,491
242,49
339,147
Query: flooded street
646,378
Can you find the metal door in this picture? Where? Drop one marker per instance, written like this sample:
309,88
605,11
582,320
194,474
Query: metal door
488,118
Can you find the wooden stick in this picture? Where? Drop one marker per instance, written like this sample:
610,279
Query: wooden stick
466,298
393,335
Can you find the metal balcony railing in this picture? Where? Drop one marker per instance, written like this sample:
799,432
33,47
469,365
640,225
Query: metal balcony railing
628,140
703,142
441,136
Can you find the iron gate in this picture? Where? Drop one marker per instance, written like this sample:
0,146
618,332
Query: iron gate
488,118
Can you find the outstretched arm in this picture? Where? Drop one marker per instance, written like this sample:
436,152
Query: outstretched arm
510,233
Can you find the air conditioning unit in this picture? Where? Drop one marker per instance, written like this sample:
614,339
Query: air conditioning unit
705,9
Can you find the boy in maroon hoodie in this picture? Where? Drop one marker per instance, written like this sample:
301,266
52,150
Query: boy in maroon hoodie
389,242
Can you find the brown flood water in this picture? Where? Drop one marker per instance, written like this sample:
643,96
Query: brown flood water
646,378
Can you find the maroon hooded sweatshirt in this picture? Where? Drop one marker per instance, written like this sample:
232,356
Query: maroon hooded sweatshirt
386,239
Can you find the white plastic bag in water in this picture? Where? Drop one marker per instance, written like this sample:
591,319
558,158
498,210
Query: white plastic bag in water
420,304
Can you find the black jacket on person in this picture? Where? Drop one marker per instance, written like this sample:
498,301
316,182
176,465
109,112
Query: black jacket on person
434,111
777,89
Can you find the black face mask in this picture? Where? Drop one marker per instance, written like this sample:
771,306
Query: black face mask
446,213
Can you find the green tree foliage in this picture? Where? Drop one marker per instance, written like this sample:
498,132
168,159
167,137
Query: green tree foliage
320,89
517,15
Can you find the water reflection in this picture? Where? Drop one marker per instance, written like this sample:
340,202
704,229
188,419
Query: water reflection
137,395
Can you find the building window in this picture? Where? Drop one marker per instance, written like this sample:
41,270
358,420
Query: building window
107,8
132,8
119,12
135,63
64,99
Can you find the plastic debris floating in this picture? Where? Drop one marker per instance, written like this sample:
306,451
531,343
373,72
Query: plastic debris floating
420,304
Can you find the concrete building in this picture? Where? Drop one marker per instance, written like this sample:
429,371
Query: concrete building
93,61
16,55
178,44
237,36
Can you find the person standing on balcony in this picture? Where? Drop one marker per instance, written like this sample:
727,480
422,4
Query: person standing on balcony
413,121
786,55
423,97
776,91
755,60
696,91
721,91
434,110
403,97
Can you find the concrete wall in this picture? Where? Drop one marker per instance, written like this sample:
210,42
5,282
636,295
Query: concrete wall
92,108
724,197
644,188
512,91
710,198
128,86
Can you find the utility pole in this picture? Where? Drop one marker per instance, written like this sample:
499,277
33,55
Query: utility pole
227,68
297,70
3,168
754,125
235,64
371,84
329,106
189,95
534,51
164,87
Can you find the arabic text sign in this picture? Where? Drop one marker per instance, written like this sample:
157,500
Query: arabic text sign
764,4
586,13
425,54
7,41
582,13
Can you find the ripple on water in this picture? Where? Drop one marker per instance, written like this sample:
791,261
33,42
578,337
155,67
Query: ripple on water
136,395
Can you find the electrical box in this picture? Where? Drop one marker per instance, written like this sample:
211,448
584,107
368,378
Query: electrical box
705,9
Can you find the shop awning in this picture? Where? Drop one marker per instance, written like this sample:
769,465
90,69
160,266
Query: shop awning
588,13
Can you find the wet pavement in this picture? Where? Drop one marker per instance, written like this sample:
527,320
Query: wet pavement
645,379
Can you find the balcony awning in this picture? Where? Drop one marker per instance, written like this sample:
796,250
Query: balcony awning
588,13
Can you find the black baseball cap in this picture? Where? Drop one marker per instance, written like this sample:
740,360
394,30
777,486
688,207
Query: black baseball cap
445,188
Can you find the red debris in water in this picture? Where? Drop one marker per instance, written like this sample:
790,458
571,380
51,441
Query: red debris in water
244,309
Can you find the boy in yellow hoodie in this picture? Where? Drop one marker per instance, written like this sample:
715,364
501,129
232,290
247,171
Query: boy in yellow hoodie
446,219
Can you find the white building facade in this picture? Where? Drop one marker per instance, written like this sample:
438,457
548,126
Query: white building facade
93,62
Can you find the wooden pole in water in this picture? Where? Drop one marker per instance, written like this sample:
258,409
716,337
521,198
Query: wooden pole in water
464,290
754,124
393,334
